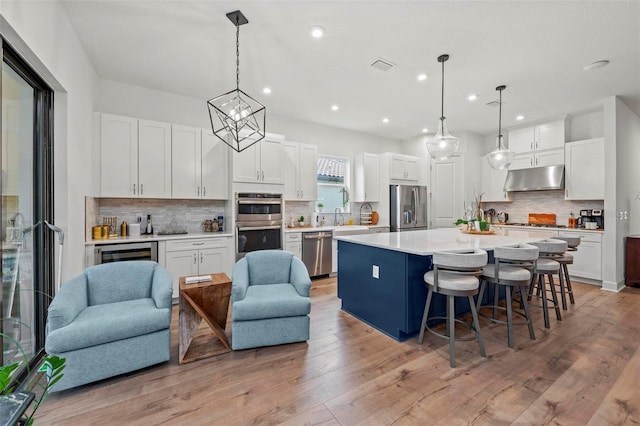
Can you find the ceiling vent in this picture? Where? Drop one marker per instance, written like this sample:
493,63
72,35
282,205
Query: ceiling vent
382,64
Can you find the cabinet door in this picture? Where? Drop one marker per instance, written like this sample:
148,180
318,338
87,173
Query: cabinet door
584,170
215,167
290,173
522,161
493,183
246,164
295,248
154,159
587,261
271,161
211,260
397,165
307,172
412,169
522,140
118,156
549,158
550,135
447,191
371,178
185,162
181,264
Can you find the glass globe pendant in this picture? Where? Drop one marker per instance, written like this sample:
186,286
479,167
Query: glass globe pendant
443,144
501,157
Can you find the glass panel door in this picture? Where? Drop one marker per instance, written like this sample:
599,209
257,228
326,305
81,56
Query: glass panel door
17,307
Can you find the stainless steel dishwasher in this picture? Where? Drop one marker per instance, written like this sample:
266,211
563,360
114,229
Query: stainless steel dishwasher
316,252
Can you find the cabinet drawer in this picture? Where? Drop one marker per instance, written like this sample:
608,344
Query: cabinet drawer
292,236
196,243
584,236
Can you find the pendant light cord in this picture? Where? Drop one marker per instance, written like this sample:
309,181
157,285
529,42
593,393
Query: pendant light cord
442,96
500,117
237,53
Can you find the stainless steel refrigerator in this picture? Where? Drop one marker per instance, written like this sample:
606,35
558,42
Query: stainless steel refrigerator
408,204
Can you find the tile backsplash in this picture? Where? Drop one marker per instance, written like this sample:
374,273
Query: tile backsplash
543,202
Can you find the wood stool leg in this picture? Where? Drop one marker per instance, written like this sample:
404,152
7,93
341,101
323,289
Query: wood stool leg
477,323
425,316
451,325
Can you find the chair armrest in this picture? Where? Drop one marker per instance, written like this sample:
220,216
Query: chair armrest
70,300
161,287
300,277
239,280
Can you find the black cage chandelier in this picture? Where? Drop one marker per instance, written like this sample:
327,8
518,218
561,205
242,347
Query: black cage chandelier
236,118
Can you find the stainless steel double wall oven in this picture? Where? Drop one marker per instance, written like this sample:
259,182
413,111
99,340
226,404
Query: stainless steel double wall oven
258,222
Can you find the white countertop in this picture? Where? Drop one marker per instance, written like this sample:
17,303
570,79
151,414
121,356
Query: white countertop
156,237
328,228
424,243
552,228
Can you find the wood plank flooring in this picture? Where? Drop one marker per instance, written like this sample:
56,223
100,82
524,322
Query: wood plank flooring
584,370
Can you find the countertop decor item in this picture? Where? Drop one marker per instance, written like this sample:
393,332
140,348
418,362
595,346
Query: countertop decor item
443,145
501,157
236,118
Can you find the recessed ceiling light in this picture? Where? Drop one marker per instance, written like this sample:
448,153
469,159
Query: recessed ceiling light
597,64
317,32
425,130
422,77
334,107
385,120
266,90
472,97
520,117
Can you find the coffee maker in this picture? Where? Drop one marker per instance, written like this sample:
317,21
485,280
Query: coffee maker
591,219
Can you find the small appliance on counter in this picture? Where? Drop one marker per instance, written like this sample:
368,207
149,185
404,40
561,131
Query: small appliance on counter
502,217
591,219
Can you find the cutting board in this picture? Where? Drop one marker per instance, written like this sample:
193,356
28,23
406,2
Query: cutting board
542,218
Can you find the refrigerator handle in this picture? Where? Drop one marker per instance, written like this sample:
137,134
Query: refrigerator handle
415,205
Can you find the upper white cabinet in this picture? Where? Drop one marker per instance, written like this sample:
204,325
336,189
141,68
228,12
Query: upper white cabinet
404,167
262,162
300,165
493,183
199,164
367,178
538,159
146,146
584,170
540,137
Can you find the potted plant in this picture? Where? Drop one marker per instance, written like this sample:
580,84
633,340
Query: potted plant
320,206
301,221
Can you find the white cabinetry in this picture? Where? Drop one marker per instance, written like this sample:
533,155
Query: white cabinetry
293,243
493,183
587,260
145,147
300,165
196,257
447,192
262,162
367,178
537,146
199,164
404,167
537,159
584,170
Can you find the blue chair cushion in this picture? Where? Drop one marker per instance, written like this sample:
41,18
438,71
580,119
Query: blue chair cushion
110,322
269,266
119,281
270,301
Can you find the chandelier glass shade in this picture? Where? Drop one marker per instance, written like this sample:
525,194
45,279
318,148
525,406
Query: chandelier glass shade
500,158
237,118
443,144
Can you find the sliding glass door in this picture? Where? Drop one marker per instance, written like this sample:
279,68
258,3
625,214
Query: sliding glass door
26,186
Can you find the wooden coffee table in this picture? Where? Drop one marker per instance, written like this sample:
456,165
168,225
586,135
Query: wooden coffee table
207,301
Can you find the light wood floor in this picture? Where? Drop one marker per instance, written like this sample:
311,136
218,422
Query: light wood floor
584,370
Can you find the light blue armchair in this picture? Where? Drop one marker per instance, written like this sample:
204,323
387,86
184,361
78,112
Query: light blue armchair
270,300
111,319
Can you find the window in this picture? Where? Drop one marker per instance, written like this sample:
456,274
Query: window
26,202
333,183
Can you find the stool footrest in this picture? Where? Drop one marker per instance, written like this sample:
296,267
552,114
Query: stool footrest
457,339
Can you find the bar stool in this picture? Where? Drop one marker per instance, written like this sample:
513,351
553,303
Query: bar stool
513,270
545,266
564,260
454,274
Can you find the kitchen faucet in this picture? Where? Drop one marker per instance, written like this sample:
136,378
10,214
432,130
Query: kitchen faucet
335,216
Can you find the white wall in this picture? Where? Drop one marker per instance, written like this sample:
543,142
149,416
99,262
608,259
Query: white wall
41,33
135,101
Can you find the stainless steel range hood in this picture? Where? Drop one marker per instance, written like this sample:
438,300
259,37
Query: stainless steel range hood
535,179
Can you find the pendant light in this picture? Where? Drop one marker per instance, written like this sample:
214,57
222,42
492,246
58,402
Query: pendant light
501,157
236,118
443,145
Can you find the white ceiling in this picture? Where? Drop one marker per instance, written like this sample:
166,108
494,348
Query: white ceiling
538,49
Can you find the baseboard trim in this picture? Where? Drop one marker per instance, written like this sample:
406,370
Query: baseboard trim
613,286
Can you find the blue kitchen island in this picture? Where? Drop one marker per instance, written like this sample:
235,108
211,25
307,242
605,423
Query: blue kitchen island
380,276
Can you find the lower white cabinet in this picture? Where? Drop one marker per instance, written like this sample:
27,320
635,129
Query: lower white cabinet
196,257
293,243
587,260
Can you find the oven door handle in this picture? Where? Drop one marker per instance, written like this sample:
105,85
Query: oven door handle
271,202
259,228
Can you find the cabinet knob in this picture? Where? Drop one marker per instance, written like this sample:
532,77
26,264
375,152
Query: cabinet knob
257,174
204,191
201,258
141,189
195,259
531,144
263,176
134,189
198,191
